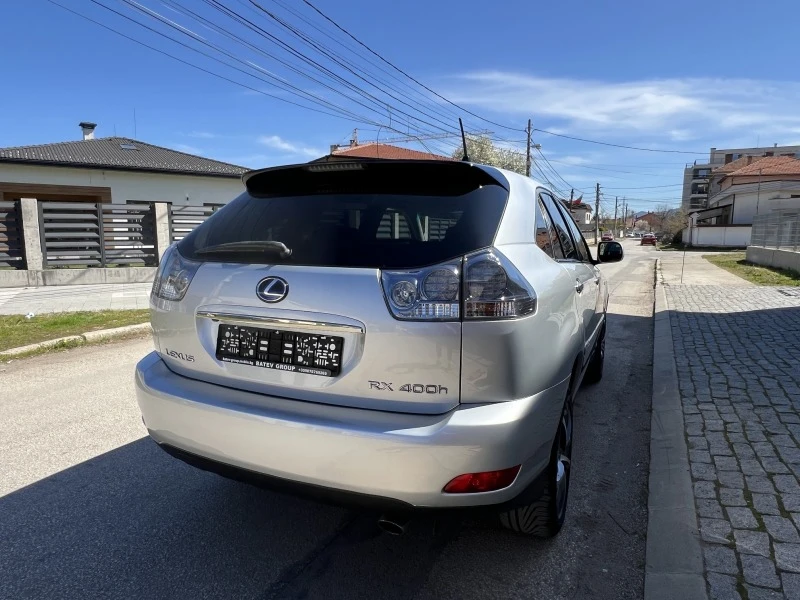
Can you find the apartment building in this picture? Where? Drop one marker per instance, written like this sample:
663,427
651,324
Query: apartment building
697,177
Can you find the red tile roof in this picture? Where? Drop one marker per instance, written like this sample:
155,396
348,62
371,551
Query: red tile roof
770,165
374,150
737,164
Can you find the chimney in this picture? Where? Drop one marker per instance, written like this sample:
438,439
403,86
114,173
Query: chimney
775,145
334,148
87,129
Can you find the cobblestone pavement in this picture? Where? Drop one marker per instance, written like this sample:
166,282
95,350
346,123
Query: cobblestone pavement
737,354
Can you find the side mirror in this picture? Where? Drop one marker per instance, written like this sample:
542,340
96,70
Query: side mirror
609,252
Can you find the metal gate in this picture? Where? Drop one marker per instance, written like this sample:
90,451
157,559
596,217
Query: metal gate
12,246
88,234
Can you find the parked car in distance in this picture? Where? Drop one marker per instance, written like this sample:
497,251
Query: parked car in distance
649,239
607,237
370,332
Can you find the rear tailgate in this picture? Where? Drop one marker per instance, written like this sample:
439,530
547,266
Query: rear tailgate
331,338
384,365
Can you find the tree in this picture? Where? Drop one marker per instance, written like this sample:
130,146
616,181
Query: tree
669,221
482,150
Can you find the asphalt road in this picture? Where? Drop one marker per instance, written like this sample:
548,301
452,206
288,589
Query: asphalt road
90,508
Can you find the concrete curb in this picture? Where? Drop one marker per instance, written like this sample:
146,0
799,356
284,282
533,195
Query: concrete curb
674,559
84,338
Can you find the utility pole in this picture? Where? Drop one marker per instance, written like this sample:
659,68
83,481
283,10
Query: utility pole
528,152
597,214
571,196
624,217
616,203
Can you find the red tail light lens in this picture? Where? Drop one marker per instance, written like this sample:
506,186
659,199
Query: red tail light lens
494,288
488,481
486,282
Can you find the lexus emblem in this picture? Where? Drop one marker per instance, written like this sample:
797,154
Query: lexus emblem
272,289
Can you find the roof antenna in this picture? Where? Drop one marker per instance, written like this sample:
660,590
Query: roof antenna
465,158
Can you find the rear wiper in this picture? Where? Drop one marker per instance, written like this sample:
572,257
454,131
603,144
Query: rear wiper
249,246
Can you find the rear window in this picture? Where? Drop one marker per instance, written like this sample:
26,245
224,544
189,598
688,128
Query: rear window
353,229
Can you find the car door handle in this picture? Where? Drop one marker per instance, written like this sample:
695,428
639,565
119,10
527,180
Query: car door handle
597,281
578,286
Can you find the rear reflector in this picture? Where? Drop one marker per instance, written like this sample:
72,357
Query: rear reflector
488,481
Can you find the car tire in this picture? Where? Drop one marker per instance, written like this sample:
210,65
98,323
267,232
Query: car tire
545,514
594,372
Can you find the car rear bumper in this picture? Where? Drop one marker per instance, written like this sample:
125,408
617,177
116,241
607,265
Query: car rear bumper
392,458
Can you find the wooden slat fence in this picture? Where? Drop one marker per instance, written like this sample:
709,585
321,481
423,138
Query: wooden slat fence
12,246
88,234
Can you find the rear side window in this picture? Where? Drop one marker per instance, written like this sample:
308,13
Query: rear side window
544,232
580,242
561,228
380,230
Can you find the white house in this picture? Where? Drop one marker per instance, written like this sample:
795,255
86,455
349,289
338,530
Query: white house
580,211
114,170
745,189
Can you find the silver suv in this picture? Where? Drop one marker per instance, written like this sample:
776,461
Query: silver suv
398,334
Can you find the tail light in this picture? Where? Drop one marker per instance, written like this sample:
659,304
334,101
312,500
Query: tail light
494,288
430,294
174,275
486,283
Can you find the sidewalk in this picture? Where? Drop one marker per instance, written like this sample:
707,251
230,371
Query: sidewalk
693,269
736,352
72,298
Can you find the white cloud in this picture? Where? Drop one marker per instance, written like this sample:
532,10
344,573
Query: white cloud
254,161
573,160
289,148
668,109
186,148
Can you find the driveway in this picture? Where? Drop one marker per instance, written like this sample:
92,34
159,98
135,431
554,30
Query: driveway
89,507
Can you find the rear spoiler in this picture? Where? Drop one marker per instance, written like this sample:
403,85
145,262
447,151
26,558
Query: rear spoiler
409,177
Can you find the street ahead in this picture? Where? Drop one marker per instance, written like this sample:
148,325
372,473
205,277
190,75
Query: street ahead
91,508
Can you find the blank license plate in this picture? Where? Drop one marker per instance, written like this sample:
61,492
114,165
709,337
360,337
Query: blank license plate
281,350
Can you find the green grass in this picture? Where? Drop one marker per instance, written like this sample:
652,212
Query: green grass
736,263
16,330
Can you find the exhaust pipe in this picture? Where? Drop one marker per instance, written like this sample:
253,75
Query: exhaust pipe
393,524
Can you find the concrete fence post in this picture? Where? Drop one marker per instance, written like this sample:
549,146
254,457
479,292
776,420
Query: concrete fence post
29,210
162,227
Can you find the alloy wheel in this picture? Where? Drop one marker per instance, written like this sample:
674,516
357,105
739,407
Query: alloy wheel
563,459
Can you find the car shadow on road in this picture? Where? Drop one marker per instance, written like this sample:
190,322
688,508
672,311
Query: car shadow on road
136,523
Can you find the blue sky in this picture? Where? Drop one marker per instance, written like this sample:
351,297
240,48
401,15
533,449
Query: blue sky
670,76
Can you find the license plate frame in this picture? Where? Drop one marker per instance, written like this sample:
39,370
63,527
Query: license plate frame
282,350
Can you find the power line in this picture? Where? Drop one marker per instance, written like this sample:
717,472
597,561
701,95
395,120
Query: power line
434,107
577,139
553,169
308,41
215,74
646,187
561,162
199,68
232,14
398,69
283,83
